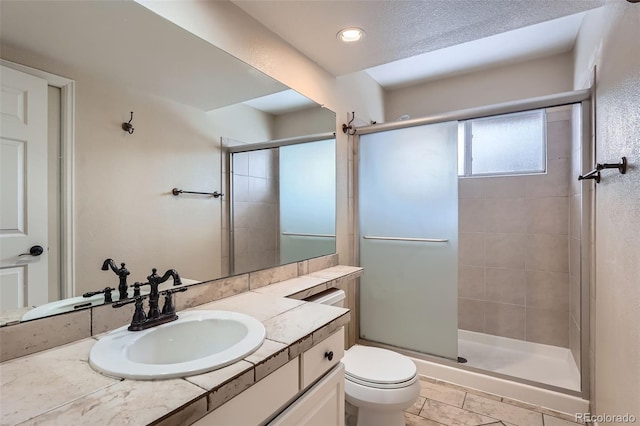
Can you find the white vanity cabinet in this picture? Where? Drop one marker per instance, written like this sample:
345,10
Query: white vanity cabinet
312,385
321,405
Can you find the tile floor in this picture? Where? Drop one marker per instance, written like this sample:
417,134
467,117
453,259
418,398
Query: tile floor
442,403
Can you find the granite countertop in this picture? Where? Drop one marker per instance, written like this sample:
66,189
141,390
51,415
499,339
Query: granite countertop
57,386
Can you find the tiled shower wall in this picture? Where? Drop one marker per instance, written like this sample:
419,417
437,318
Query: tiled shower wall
514,247
255,204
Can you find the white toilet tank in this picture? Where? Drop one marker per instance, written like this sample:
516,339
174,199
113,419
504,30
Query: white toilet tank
332,296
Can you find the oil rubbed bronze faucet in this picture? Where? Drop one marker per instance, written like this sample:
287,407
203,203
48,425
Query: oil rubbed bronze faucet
122,273
142,321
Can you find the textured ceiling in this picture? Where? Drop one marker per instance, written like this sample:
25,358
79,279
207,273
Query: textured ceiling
397,29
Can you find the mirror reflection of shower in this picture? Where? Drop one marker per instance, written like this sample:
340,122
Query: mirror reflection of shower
282,202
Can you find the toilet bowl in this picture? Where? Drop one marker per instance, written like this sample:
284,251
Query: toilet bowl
381,384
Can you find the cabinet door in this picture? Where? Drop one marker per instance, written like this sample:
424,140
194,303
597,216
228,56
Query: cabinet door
259,402
322,405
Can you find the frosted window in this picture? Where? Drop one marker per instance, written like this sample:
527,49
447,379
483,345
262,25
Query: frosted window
506,144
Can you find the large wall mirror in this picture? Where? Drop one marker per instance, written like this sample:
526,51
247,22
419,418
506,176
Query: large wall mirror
186,96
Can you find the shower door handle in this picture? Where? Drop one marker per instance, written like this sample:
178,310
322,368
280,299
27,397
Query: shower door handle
423,240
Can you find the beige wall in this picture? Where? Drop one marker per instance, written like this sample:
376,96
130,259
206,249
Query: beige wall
609,39
305,122
537,77
514,258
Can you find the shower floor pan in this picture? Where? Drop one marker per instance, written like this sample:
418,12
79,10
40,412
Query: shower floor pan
547,364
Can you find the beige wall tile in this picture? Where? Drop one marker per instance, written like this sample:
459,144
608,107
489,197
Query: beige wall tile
208,292
548,327
548,290
505,215
471,187
471,282
34,336
471,215
471,249
555,183
559,140
548,253
505,187
273,275
105,318
505,250
505,320
322,262
303,267
471,315
548,215
505,285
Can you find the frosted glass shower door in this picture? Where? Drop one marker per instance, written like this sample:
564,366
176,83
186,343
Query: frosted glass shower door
307,200
408,220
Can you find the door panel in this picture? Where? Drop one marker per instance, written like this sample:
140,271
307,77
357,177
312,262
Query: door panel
23,189
408,221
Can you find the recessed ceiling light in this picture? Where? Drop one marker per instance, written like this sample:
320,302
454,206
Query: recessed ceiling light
349,35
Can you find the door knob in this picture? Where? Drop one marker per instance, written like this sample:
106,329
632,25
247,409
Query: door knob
33,251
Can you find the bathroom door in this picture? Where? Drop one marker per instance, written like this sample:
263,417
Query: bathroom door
408,226
23,190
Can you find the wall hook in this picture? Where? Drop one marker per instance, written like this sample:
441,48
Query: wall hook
128,127
348,128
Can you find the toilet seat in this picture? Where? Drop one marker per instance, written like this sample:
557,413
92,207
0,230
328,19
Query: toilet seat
378,368
381,385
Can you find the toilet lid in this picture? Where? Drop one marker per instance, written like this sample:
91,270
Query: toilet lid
377,366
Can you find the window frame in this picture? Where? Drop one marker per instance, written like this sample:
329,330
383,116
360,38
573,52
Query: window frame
467,146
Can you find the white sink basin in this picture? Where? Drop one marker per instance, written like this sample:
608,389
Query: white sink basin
198,342
65,305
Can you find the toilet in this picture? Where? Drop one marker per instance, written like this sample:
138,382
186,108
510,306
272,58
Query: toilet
380,383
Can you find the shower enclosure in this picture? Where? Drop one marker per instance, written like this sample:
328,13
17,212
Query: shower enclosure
470,235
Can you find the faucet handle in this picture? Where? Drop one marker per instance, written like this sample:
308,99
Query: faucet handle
107,294
139,317
168,307
136,288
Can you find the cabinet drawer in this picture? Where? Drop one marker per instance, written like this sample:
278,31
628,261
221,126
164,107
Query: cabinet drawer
315,362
